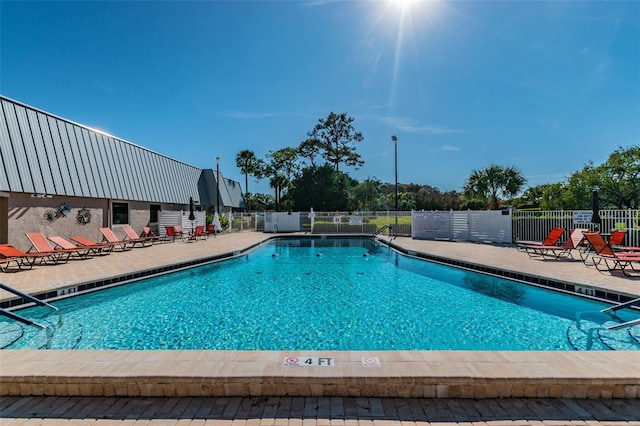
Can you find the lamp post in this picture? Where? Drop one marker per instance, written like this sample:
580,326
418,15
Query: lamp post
395,143
595,208
218,185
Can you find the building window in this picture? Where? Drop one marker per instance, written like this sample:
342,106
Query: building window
153,213
120,213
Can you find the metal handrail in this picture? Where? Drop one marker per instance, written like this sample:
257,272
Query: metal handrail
624,324
20,318
27,296
31,299
621,305
379,231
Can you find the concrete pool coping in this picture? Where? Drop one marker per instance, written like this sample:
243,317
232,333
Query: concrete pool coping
432,374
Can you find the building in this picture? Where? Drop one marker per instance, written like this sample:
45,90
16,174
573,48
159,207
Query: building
63,178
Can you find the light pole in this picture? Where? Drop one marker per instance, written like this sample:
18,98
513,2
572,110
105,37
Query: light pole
395,143
218,185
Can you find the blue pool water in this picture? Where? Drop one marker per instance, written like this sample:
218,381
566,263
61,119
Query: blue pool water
324,294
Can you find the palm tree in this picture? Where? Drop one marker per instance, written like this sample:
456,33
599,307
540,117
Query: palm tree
492,181
249,164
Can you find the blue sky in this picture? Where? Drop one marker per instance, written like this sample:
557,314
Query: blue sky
545,86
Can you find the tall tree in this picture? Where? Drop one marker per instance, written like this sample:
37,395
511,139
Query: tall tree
491,182
248,164
322,188
283,166
366,195
335,138
309,148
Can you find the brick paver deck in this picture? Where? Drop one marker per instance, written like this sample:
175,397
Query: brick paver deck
341,411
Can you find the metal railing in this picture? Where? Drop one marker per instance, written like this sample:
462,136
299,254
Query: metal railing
535,225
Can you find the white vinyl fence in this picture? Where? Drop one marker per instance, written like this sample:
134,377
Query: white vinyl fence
480,226
499,226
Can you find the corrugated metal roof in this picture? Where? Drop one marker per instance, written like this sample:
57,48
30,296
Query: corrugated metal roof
44,154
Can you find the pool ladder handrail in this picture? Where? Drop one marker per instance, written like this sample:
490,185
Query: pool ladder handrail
617,308
379,231
621,305
30,298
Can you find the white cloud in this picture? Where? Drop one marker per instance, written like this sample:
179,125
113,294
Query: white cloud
407,126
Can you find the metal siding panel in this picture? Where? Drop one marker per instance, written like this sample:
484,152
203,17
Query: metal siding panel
167,172
121,164
70,159
140,173
130,171
9,178
61,153
33,152
181,190
146,175
115,170
97,163
90,182
167,183
51,156
21,179
151,167
80,171
98,178
104,164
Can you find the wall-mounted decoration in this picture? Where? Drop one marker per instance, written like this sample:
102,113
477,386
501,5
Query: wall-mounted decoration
64,209
84,216
50,215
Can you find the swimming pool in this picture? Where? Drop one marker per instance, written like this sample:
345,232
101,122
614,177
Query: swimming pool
325,294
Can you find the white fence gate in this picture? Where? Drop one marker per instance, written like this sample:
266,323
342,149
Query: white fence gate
180,218
482,226
282,222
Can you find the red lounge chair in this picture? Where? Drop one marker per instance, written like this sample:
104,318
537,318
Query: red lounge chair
551,240
42,245
174,231
573,242
198,232
616,241
617,238
26,260
137,239
96,248
605,259
111,237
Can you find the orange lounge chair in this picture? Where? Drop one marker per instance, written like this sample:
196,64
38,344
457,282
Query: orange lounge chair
606,259
27,260
97,248
111,237
42,245
576,236
148,233
551,240
5,264
137,239
86,250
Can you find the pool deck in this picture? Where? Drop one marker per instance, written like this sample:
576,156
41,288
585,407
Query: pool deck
244,375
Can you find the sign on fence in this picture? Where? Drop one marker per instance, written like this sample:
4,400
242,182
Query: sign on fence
582,217
428,225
